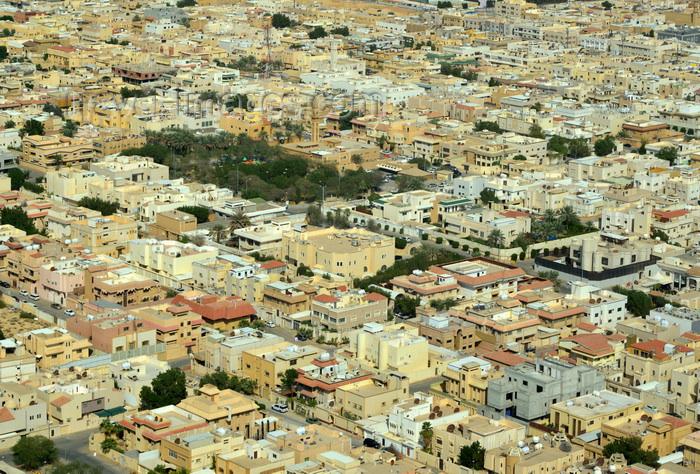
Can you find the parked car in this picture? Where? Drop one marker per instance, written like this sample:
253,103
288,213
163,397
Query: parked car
370,443
280,407
4,284
312,421
270,324
302,337
34,297
24,292
55,306
69,312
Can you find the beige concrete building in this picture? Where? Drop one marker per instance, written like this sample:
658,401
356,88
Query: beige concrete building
342,311
171,225
588,412
107,235
371,397
266,365
44,153
225,408
54,346
557,455
131,168
659,431
351,253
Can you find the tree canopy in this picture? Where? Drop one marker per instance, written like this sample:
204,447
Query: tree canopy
668,153
167,388
631,448
318,32
200,212
18,218
604,146
280,20
105,208
223,381
472,456
33,452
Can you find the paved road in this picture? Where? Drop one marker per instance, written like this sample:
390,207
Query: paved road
424,385
74,447
43,305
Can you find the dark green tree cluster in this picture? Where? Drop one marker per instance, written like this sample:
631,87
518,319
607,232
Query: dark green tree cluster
472,456
280,20
318,32
159,153
488,195
186,3
486,125
32,127
406,305
18,218
444,4
443,304
341,30
631,448
200,212
604,146
422,260
53,109
69,128
458,71
668,153
33,452
105,208
576,148
167,388
223,381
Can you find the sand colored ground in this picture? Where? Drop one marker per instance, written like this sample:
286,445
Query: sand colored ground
11,323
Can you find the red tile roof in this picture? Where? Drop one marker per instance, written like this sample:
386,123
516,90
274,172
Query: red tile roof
375,297
326,299
214,308
60,401
505,358
6,415
269,265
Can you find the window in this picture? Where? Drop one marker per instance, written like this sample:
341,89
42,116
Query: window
172,454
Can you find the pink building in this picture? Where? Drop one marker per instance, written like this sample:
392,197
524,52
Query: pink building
114,331
58,279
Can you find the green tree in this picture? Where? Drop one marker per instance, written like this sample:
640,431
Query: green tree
167,388
53,109
209,95
472,456
200,212
488,195
409,183
106,208
69,128
496,239
17,217
32,127
3,53
342,31
607,5
604,146
559,145
536,131
186,3
9,124
75,467
639,303
426,434
218,379
280,20
578,148
552,276
631,448
33,452
486,125
318,32
17,177
399,243
668,153
406,305
289,379
109,444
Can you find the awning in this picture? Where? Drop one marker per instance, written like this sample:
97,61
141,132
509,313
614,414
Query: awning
110,412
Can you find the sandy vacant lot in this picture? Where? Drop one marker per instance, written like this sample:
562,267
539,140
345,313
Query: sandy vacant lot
11,323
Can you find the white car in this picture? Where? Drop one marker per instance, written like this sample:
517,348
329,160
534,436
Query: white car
69,312
24,292
270,324
34,297
280,407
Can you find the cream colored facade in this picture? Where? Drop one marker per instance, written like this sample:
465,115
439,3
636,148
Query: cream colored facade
105,235
266,365
371,397
352,253
54,346
588,412
40,153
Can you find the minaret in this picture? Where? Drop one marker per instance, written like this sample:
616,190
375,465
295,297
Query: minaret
315,119
334,55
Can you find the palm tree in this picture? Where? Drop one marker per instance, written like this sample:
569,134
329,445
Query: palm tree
356,158
426,434
568,216
218,231
109,444
298,130
263,136
240,138
550,215
238,221
288,136
496,239
279,136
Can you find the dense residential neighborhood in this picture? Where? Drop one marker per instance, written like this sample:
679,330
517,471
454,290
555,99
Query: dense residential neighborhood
350,236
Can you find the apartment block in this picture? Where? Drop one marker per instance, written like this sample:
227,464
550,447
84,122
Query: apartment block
372,397
44,153
171,225
225,353
266,365
179,328
113,331
105,235
131,168
342,311
351,253
529,392
54,346
587,413
224,408
121,285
